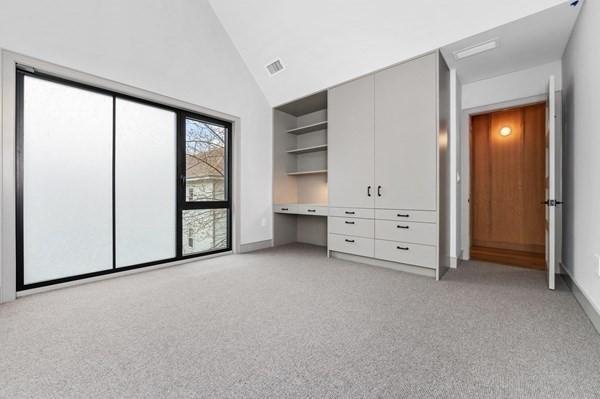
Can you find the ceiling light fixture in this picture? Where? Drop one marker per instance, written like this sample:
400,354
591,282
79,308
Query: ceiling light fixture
476,49
505,131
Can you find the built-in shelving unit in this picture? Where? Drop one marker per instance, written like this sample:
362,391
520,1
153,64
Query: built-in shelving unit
300,170
306,150
313,127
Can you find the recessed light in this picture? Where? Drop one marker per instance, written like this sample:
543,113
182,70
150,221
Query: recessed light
505,131
476,49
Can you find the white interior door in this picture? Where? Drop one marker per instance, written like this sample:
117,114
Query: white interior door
552,186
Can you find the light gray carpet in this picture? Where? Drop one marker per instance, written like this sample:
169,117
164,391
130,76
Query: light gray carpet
289,322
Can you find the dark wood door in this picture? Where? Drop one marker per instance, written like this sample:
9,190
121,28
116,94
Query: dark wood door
507,186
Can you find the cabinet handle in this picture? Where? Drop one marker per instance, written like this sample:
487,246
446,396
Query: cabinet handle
347,240
311,210
403,227
403,215
368,191
284,209
349,213
347,222
379,191
403,248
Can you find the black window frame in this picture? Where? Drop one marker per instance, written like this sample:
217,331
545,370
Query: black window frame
181,205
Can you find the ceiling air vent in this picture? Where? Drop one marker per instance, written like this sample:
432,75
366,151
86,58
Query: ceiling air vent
275,67
476,49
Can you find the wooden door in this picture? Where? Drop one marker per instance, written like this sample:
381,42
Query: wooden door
507,186
351,144
406,135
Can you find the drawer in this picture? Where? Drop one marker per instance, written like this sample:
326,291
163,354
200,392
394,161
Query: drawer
411,254
416,233
351,226
351,245
363,213
285,208
316,210
406,215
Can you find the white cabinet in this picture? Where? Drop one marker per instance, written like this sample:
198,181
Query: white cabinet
387,135
351,144
406,135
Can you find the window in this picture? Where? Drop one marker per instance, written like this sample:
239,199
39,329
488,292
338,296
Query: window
108,182
206,209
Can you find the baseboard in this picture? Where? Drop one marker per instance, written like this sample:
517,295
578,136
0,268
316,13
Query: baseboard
255,246
587,306
423,271
453,262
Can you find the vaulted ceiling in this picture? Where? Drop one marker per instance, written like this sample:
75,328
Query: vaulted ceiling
325,42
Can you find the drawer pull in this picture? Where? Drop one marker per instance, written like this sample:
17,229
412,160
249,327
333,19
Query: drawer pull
403,248
350,213
403,215
311,210
347,222
351,241
285,209
403,227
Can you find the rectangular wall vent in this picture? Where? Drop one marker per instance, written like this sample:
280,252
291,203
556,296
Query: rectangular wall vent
275,67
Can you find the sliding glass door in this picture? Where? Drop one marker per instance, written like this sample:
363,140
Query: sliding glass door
107,182
66,181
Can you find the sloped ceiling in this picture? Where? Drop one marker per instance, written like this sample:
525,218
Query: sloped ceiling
325,42
538,39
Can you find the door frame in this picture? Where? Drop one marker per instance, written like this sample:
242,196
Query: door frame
465,157
9,63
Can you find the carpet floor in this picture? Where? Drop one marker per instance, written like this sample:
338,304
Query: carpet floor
290,323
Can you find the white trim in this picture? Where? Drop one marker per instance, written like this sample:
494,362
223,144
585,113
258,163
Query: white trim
117,274
255,246
588,306
9,62
401,267
465,166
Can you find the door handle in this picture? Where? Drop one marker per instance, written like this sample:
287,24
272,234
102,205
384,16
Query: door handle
368,191
311,210
403,227
379,191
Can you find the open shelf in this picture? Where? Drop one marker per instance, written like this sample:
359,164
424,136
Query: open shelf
306,150
309,128
308,172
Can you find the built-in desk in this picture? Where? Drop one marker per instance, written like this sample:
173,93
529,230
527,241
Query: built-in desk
302,209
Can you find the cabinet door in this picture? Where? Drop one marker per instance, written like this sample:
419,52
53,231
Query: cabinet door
406,136
351,144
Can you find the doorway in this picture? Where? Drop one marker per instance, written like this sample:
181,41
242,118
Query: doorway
507,211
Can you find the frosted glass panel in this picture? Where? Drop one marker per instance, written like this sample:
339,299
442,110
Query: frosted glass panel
204,230
145,183
67,181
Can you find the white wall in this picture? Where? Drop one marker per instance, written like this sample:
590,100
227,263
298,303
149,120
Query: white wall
176,48
581,187
521,84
